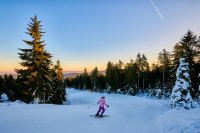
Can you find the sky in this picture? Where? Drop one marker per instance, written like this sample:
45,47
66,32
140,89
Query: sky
88,33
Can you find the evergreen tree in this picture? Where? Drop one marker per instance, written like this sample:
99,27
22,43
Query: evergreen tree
188,44
138,62
177,54
10,87
143,67
94,77
2,86
155,76
164,59
128,73
121,74
36,62
180,96
145,70
101,83
109,76
80,81
195,79
58,92
75,82
130,79
116,76
188,48
86,80
69,82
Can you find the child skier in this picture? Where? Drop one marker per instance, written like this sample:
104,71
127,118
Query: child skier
101,103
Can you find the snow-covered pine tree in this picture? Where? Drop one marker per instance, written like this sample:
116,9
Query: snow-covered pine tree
180,96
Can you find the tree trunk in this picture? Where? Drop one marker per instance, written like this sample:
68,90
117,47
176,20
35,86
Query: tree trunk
138,80
163,76
143,85
43,98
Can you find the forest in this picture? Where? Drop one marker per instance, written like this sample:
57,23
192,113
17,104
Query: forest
139,77
40,81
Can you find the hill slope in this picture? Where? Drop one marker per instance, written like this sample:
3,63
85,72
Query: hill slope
128,114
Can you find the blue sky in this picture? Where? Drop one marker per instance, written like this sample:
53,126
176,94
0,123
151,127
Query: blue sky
89,33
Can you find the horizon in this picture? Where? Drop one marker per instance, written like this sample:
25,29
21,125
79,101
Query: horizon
89,34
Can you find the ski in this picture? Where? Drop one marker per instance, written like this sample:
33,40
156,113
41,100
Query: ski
99,116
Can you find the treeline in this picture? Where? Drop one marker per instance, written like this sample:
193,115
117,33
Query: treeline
137,76
18,89
38,81
8,86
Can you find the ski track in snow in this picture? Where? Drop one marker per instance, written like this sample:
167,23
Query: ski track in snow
128,114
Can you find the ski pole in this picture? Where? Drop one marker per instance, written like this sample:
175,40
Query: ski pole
92,105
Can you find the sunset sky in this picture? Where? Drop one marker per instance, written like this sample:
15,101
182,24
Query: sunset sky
89,33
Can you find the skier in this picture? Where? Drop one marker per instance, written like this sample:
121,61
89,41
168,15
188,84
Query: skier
101,103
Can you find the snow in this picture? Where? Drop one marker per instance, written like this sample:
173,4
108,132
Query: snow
128,114
180,121
3,97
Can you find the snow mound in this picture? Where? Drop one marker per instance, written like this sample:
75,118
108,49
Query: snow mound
4,97
179,121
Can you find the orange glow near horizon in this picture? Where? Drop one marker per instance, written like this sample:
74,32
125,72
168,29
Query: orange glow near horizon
10,69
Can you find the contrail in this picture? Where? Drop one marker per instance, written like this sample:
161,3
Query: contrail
157,10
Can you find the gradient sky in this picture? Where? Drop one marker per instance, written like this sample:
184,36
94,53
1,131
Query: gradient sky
89,33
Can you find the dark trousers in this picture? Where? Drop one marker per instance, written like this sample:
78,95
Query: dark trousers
102,110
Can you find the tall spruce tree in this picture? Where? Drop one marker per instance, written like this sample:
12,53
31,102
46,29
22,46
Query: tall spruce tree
109,76
138,62
86,80
176,55
164,59
180,96
186,48
130,79
94,77
101,83
36,62
143,67
155,76
188,43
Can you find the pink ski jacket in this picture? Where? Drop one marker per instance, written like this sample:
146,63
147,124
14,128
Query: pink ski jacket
102,102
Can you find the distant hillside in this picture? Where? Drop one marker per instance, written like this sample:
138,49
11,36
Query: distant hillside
66,74
74,74
103,72
71,75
